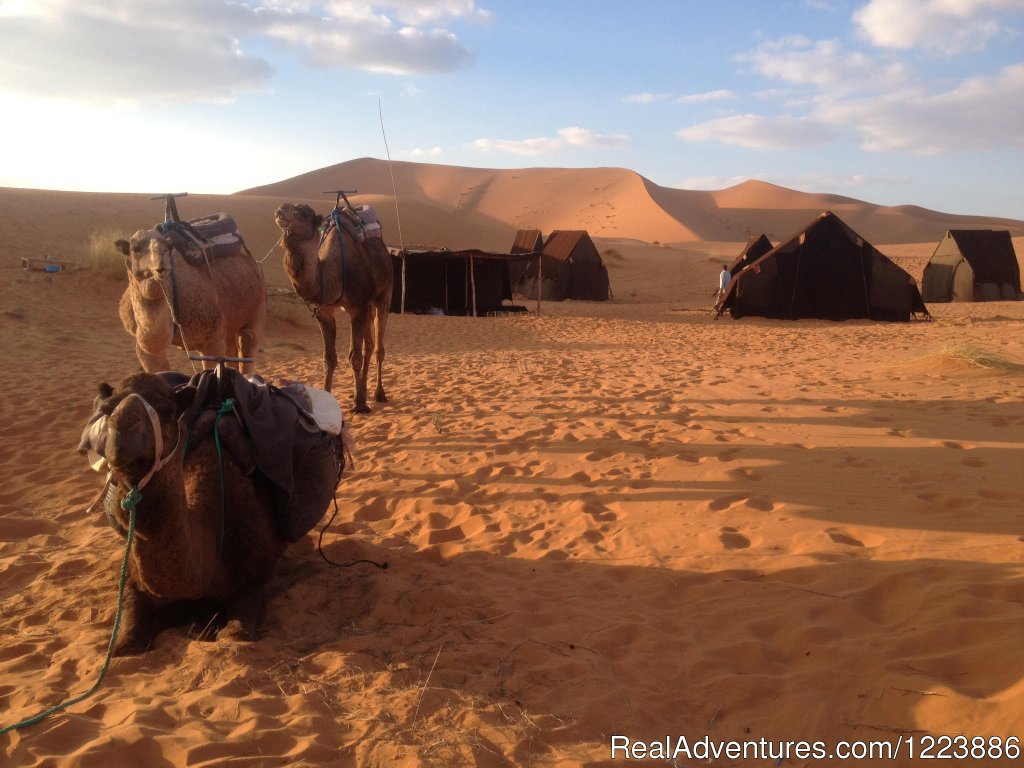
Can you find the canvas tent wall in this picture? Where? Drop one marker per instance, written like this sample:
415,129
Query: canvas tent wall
825,271
528,241
571,268
973,265
756,248
443,280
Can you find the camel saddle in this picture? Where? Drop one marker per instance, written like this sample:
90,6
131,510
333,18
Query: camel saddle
270,430
362,222
206,237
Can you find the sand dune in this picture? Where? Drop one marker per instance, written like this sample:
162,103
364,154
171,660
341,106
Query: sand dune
622,518
614,202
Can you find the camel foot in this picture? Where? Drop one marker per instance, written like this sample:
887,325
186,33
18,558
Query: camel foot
134,643
380,397
360,408
237,632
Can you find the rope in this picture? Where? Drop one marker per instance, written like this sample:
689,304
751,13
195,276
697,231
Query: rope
174,320
320,540
129,504
260,261
394,190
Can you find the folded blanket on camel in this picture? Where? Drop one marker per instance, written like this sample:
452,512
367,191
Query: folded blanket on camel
270,430
205,237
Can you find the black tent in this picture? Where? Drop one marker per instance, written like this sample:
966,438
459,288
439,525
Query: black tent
571,268
447,282
825,271
972,265
756,248
527,242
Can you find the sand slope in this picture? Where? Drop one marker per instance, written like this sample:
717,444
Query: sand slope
614,202
621,518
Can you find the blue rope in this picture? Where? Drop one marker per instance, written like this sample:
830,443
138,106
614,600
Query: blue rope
128,503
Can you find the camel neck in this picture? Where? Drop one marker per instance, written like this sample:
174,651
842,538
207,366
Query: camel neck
302,263
172,539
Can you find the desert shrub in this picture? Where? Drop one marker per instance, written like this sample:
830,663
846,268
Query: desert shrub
100,254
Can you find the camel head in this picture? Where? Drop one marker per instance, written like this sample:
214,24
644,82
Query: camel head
120,432
299,221
147,259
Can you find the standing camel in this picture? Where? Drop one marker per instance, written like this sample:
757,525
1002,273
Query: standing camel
339,271
216,309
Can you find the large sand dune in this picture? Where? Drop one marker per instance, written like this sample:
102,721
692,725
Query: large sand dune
612,519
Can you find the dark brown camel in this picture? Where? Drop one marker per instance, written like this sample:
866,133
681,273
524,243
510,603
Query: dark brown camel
192,547
340,272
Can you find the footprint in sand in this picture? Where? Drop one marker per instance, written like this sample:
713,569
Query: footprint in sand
731,538
843,538
973,462
724,502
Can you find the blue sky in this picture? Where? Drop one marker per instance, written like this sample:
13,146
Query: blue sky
915,102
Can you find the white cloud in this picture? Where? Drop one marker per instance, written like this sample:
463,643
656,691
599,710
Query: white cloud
980,113
420,12
148,50
648,98
705,98
948,26
693,98
432,152
567,138
761,132
823,64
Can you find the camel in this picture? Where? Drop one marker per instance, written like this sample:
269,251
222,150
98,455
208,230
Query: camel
192,546
340,272
220,308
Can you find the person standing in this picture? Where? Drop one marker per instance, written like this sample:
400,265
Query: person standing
724,278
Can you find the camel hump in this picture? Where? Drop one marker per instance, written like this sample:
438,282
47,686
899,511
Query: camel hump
216,233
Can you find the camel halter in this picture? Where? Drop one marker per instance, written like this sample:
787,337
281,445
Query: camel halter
158,462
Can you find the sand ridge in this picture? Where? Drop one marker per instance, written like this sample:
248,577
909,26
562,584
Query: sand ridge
623,518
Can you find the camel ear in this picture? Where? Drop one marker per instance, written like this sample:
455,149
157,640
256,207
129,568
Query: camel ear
122,246
106,390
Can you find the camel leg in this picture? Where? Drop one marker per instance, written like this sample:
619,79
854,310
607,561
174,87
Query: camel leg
215,346
379,326
248,346
245,614
356,357
329,330
137,619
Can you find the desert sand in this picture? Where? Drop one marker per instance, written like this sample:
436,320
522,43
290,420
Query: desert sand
618,519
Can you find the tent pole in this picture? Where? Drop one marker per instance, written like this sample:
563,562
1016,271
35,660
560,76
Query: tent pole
472,282
403,282
540,280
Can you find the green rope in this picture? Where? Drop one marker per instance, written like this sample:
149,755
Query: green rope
226,407
128,503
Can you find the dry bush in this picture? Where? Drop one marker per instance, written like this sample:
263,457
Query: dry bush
974,357
284,305
100,254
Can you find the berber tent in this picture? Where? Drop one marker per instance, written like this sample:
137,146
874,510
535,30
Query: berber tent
973,265
825,271
571,268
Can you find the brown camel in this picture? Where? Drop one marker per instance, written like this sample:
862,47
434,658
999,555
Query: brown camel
340,272
192,546
220,309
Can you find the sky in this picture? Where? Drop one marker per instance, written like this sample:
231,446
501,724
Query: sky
895,102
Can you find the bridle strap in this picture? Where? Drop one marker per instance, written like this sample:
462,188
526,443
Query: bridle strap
159,462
